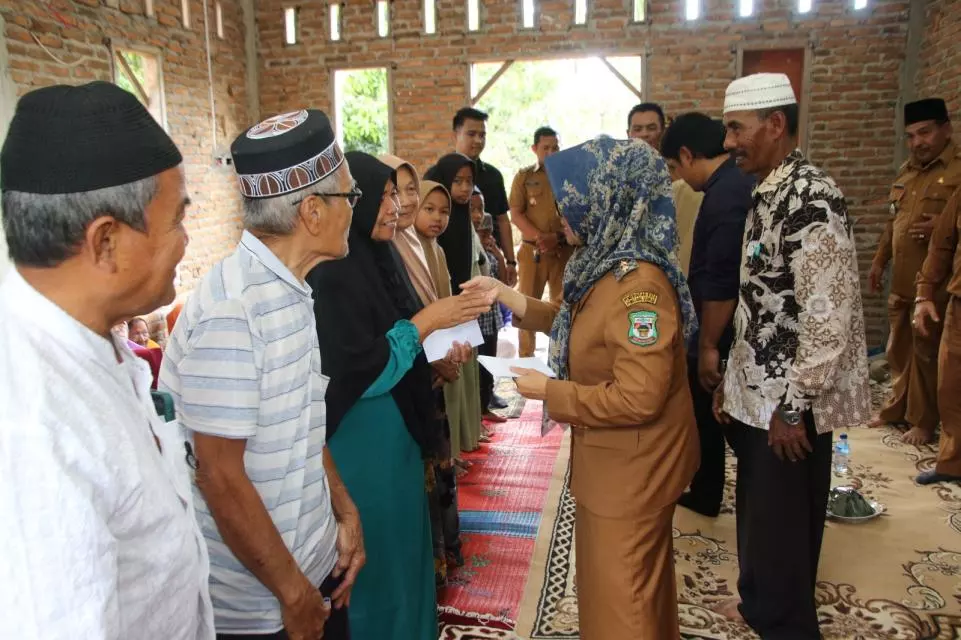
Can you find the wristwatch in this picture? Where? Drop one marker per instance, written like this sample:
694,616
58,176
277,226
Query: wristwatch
790,416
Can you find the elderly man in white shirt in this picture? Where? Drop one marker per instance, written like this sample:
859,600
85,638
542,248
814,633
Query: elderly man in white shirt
96,514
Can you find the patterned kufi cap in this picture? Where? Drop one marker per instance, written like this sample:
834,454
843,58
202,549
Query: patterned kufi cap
285,153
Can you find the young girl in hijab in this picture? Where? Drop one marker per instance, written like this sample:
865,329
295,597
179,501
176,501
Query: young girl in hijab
621,381
380,419
440,481
456,173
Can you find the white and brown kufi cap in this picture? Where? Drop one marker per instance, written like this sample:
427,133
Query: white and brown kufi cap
758,92
285,153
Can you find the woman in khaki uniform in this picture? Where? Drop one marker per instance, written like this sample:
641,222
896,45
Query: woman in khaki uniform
618,348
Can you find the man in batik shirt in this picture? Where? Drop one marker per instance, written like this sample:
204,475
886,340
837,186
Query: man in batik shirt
798,367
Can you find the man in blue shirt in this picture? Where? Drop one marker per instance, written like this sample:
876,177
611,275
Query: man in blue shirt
694,149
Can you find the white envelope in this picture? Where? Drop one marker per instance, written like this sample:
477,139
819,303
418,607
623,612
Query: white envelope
501,367
439,343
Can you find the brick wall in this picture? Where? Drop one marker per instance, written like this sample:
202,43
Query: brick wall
940,69
854,75
74,28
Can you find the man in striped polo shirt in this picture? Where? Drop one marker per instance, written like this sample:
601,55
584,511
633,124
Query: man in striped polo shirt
243,365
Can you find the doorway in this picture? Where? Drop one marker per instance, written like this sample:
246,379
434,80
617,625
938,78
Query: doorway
581,98
792,62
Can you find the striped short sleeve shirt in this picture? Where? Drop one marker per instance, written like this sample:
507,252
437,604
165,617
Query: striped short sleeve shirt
243,362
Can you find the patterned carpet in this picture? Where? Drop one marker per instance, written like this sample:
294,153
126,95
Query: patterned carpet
897,577
500,501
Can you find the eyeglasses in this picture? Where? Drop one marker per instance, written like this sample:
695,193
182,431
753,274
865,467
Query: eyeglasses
353,196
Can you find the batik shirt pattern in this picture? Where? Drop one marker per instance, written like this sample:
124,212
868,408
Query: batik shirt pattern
799,325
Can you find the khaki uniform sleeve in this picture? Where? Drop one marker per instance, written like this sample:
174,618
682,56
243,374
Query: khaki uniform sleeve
687,203
944,242
518,197
538,317
885,245
642,369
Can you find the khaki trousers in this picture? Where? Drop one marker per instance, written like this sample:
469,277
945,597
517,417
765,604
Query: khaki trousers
625,576
949,391
531,279
913,359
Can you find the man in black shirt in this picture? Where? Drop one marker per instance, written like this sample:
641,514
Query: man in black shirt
470,138
694,148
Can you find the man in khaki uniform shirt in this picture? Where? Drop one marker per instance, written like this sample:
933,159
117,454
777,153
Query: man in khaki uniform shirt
646,122
937,269
919,194
544,253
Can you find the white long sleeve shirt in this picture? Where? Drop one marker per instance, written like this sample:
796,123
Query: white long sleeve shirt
96,524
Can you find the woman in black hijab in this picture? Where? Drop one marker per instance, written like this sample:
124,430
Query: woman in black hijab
381,416
456,172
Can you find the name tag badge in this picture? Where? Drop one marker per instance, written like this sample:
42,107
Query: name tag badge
897,193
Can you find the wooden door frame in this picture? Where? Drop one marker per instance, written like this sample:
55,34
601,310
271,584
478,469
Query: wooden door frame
507,61
805,91
332,91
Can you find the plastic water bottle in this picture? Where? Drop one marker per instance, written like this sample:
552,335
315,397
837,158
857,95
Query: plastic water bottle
842,455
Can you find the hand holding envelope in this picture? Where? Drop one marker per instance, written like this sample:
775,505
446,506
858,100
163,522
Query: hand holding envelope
440,343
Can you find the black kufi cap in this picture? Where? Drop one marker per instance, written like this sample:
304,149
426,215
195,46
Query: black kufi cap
927,109
67,139
286,153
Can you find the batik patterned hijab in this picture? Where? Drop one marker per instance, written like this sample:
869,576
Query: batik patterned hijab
616,196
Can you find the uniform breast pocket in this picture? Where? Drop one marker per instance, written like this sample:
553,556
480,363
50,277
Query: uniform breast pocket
937,195
534,188
620,439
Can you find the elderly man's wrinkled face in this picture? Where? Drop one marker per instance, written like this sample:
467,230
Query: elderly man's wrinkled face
386,225
750,140
926,140
328,219
409,198
146,261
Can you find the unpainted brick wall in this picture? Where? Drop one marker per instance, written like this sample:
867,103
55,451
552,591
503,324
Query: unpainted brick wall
74,28
854,76
940,72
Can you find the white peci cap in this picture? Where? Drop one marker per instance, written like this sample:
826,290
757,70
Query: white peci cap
759,91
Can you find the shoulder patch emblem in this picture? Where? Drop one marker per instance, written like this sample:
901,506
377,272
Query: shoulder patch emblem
639,297
642,329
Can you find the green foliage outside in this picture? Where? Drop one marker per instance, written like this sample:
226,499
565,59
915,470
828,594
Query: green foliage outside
135,62
363,103
580,98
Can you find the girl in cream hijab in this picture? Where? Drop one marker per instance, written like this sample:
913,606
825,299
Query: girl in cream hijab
440,478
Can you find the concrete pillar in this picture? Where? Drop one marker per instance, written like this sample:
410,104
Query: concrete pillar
253,62
8,100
